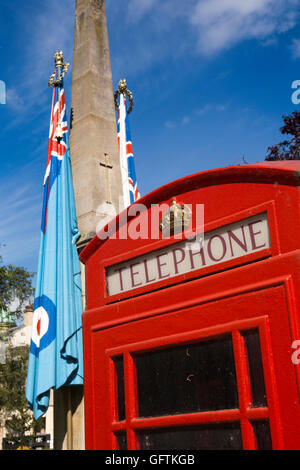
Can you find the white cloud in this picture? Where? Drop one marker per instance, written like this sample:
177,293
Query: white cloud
20,221
221,24
219,107
170,124
295,48
203,110
186,120
14,100
176,27
29,94
138,8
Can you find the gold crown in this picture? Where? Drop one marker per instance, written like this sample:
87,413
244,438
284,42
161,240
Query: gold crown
176,219
59,59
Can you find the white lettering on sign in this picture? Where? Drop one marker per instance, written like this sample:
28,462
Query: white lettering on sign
225,243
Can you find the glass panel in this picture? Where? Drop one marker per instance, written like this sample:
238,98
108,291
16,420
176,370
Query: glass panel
119,377
222,436
121,440
262,434
186,379
252,343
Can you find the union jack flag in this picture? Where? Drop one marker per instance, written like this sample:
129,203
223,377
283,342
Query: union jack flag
130,187
56,146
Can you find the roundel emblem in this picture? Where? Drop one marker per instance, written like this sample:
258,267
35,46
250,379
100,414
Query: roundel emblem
40,325
43,324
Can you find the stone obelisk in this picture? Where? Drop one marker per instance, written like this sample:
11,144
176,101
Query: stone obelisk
93,136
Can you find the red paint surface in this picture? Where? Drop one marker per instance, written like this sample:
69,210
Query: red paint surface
38,327
260,290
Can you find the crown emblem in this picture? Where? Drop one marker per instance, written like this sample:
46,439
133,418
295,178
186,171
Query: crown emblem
176,219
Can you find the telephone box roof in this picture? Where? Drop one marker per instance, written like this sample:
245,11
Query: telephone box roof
277,172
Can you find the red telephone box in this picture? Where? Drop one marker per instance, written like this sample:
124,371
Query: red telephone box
190,343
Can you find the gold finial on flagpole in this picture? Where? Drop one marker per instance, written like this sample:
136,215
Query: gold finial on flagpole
123,90
55,80
61,69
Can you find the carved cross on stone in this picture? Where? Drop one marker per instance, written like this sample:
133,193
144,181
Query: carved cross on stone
107,167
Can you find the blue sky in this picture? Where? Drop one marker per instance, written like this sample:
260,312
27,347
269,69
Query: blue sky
211,80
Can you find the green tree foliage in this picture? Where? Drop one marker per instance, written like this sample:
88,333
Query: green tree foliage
15,414
15,287
288,149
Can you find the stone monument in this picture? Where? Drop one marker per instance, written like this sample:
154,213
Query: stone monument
93,135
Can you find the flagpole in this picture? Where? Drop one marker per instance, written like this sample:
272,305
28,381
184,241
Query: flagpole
69,421
55,80
122,92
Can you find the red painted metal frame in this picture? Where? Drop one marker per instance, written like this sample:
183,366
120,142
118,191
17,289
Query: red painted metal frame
269,326
262,290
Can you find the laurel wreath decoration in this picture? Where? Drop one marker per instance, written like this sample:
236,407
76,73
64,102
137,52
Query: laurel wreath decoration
123,90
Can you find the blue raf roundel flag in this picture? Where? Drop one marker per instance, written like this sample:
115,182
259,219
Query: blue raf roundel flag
43,324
